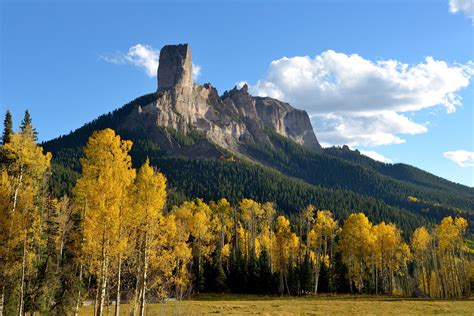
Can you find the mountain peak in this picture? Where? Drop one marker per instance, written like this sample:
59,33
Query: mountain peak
175,67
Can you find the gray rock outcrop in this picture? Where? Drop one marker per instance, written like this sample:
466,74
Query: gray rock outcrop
232,121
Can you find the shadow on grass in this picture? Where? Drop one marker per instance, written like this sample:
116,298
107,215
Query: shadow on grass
325,297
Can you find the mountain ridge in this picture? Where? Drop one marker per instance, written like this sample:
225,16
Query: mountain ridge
183,120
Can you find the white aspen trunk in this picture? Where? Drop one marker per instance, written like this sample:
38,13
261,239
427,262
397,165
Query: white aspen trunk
145,270
137,295
22,281
117,300
78,301
316,280
17,189
2,300
103,288
271,250
103,283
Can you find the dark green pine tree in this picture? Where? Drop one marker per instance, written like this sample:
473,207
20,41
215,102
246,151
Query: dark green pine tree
306,276
26,126
7,128
214,274
265,284
253,274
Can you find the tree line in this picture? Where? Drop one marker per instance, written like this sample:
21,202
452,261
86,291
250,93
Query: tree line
115,240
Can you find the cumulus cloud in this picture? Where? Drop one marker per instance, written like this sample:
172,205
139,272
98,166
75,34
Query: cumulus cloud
465,6
144,57
375,156
356,101
463,158
196,71
364,129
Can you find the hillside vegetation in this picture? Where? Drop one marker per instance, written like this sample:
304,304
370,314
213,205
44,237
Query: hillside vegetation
340,179
116,236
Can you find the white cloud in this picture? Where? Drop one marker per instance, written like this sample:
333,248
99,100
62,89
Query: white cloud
142,56
359,101
375,156
364,129
465,6
463,158
196,71
145,57
240,84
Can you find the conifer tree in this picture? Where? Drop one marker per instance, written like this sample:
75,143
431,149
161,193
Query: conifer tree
26,126
7,128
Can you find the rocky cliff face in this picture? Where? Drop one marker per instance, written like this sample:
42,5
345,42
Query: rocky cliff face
232,121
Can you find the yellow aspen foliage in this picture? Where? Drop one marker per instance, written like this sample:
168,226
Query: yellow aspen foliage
102,193
195,218
147,223
252,214
321,241
421,242
452,269
355,243
390,253
221,223
286,245
24,170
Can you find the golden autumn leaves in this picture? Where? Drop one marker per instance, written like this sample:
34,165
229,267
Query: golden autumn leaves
125,239
21,182
123,219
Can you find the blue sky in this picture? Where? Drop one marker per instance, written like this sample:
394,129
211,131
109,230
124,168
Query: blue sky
391,78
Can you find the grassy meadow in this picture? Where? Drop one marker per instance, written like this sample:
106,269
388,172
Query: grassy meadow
321,305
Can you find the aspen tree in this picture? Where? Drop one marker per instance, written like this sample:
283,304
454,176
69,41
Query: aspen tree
286,244
195,216
321,241
355,246
421,241
147,222
23,175
390,253
251,215
103,189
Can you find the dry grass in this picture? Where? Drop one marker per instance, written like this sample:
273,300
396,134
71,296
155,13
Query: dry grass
321,305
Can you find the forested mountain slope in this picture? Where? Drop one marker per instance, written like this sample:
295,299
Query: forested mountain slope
326,179
236,145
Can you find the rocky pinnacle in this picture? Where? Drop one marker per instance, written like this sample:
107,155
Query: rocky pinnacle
175,67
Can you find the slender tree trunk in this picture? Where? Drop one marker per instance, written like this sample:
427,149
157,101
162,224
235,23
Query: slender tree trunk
117,300
78,301
96,300
17,189
423,274
103,283
281,287
144,276
316,283
271,250
359,286
22,281
2,299
376,281
316,278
